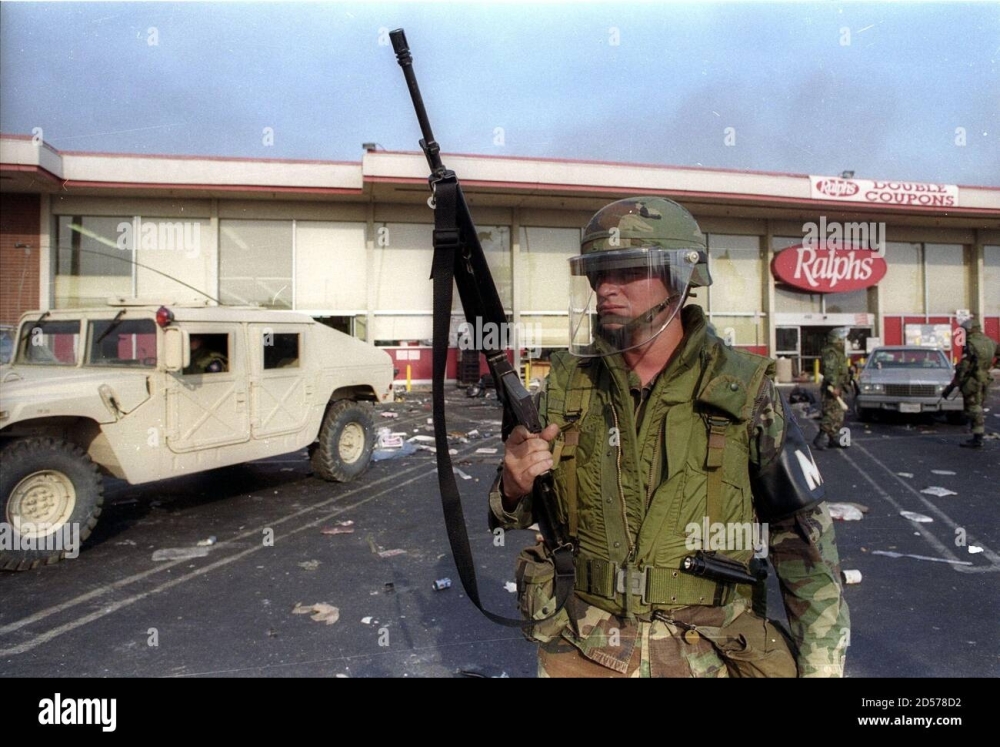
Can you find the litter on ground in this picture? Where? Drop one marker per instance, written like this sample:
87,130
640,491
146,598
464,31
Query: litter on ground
939,492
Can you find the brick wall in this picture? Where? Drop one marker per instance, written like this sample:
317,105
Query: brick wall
19,225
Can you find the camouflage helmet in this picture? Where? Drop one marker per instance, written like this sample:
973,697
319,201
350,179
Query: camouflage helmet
837,334
971,325
638,222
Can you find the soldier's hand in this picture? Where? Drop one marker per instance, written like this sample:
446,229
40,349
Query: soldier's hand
526,455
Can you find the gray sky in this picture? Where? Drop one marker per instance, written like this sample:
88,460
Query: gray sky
879,88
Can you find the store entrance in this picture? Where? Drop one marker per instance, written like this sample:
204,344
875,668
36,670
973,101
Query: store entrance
803,344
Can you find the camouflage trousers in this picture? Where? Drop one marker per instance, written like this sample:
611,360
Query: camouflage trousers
832,416
671,648
974,396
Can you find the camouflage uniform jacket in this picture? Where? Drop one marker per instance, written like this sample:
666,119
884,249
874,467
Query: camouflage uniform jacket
980,350
802,547
834,367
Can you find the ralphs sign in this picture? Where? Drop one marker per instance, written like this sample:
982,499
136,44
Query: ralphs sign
819,268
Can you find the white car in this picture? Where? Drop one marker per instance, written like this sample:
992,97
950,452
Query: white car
907,379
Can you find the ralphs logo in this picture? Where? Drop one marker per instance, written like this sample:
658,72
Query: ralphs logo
837,187
817,268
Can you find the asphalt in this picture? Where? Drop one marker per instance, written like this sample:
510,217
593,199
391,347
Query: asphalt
116,612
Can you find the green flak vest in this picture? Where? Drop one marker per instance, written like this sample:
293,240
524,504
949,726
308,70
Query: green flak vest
637,505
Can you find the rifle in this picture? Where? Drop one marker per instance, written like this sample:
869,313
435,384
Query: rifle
459,256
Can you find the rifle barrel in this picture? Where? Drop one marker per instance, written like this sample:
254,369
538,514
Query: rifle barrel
430,147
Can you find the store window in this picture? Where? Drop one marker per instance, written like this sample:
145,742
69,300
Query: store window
902,288
947,278
544,258
255,263
331,266
991,280
735,265
90,263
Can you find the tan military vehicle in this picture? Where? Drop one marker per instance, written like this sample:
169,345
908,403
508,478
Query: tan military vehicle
146,392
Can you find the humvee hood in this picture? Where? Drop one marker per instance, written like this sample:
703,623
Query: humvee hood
46,391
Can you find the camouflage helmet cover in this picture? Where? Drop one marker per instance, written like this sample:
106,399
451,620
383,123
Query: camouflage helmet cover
638,222
837,334
971,325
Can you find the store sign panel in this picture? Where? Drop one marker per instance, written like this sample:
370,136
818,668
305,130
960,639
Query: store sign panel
882,192
817,269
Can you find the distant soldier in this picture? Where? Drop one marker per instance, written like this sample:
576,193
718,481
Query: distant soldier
972,378
205,360
836,378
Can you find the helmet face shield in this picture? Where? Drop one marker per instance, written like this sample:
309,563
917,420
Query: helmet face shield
623,299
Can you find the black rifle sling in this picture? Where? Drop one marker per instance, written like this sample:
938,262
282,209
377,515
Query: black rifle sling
448,251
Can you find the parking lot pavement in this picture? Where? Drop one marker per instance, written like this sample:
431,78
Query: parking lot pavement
926,609
926,547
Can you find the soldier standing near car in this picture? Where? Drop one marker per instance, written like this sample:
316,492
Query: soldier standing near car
972,378
836,373
655,428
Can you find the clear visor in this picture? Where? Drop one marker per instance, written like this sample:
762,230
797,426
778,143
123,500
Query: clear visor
622,299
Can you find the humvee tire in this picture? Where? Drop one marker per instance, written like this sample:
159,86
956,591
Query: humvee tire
346,441
46,481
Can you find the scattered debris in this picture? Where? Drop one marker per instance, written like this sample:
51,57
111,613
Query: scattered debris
387,414
390,588
207,542
973,549
486,451
905,474
367,620
391,553
180,553
404,449
474,433
320,612
129,543
939,492
851,577
286,469
441,583
919,557
272,633
389,440
919,518
511,587
942,472
421,438
309,565
461,474
343,527
844,512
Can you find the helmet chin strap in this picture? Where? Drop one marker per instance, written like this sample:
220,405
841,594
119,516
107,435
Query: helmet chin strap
620,336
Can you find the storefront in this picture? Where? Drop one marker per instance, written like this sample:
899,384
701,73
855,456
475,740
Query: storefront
350,244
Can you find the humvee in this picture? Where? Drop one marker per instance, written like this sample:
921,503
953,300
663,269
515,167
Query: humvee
145,392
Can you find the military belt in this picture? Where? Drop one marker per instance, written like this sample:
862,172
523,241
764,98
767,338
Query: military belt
653,586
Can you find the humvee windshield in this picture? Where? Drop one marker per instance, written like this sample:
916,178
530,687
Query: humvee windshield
128,343
55,343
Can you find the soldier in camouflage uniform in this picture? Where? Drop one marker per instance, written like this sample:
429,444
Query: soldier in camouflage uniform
972,378
836,375
205,360
658,434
